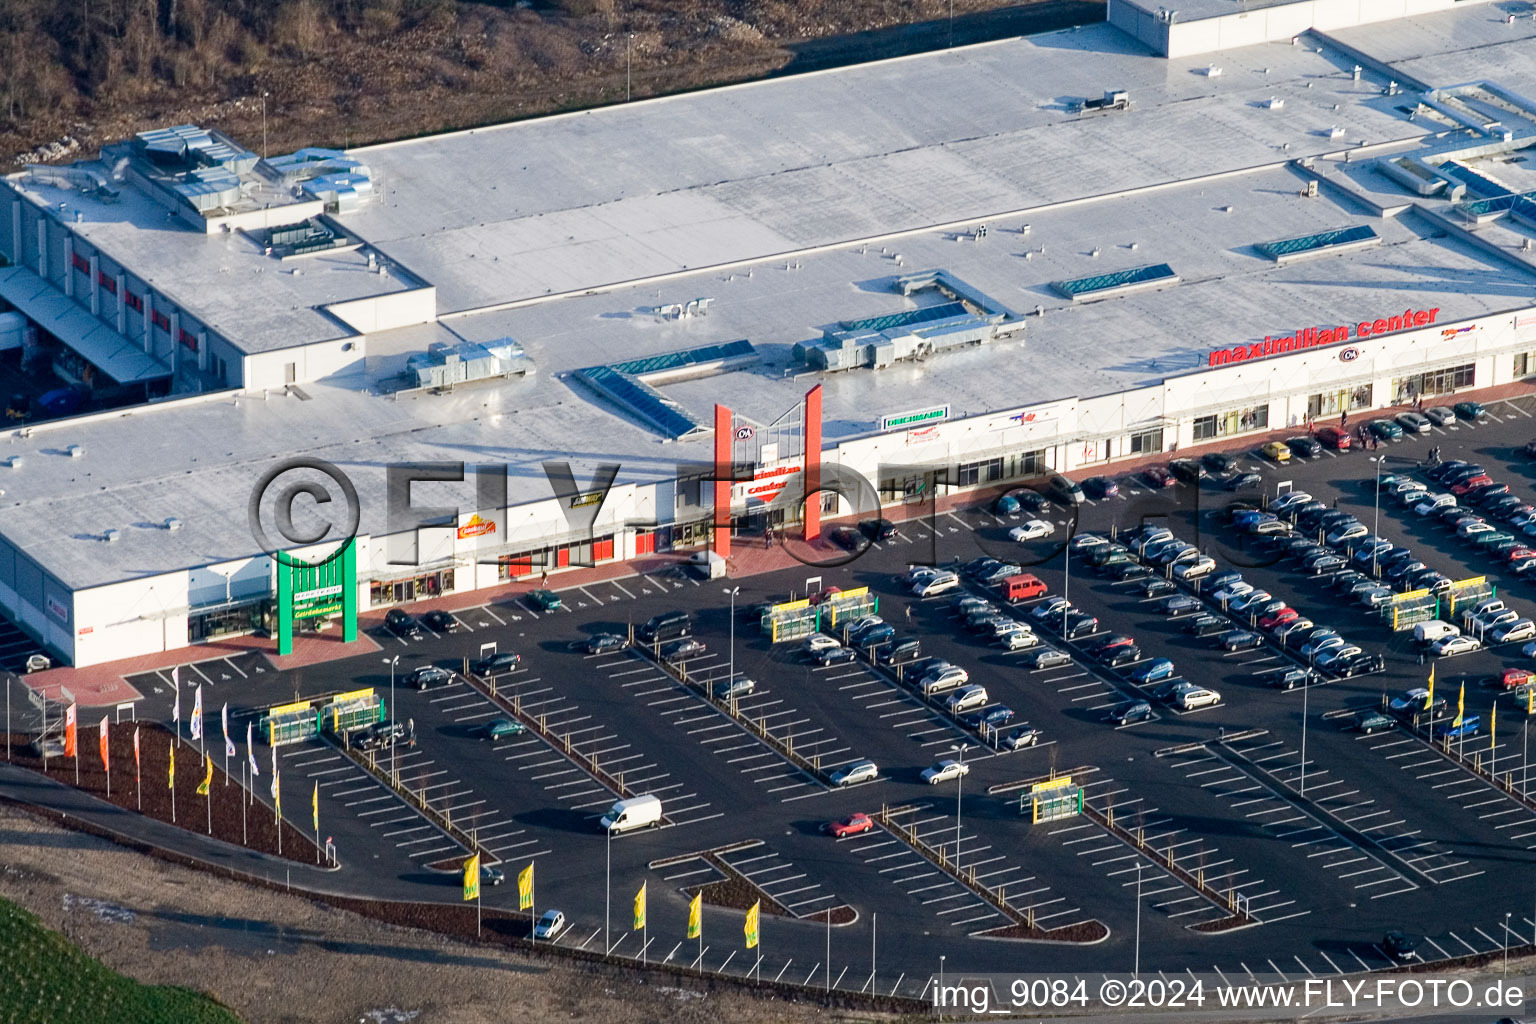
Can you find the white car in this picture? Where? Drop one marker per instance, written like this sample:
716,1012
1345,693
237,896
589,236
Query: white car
550,925
1348,532
1412,496
1196,697
1034,529
1430,503
1513,632
1232,591
1202,566
1332,656
943,771
1376,597
923,573
855,772
1019,639
1289,501
1481,624
819,642
1454,645
966,698
936,585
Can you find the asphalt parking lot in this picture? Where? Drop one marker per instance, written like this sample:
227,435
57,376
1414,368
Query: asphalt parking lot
1324,836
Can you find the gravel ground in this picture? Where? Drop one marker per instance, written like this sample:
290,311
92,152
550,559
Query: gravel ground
280,958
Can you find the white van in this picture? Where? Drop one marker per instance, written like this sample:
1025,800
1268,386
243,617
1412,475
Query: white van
635,812
1429,632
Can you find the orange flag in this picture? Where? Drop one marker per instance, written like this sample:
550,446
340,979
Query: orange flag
106,764
69,732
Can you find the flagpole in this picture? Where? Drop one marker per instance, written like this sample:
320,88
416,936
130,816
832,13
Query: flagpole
244,839
477,908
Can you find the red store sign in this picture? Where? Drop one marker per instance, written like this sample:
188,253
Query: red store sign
1313,337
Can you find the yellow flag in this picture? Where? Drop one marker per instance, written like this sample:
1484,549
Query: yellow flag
170,775
202,787
1530,699
314,805
525,888
750,928
1493,728
696,916
639,908
1461,705
1429,698
472,878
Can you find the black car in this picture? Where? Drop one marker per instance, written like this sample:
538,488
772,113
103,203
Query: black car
833,656
1122,656
847,538
1360,664
1031,501
1465,471
1187,470
1481,496
429,677
1100,487
1243,481
1156,586
1304,446
874,636
1079,623
1206,625
400,623
1239,640
1219,462
1130,711
1100,648
1287,679
979,566
1399,945
505,661
604,643
1444,469
440,621
999,573
878,529
1127,571
687,647
902,652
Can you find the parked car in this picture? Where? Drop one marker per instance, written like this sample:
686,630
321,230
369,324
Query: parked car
1304,446
678,650
730,689
966,698
1045,657
1033,529
1287,678
1276,451
1101,487
1414,422
1385,430
937,585
545,600
1206,625
1179,604
550,926
1440,415
1238,640
1129,712
1333,437
498,728
1188,470
1416,702
834,656
1453,645
852,825
1370,721
1158,477
429,677
854,772
399,622
1153,671
902,651
1195,698
987,719
944,770
1219,462
1017,739
439,621
1019,639
1243,481
1452,729
1470,411
878,529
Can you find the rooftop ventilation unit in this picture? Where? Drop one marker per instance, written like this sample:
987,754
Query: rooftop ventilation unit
76,451
15,462
111,536
173,524
443,366
1113,99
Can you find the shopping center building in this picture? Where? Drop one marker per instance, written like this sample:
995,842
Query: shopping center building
942,272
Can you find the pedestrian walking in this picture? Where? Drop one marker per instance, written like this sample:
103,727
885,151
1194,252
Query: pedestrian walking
1343,421
909,613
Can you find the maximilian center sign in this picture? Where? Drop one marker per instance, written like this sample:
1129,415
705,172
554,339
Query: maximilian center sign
1313,337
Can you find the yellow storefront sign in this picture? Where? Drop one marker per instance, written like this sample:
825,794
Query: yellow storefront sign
789,606
286,709
1043,787
342,698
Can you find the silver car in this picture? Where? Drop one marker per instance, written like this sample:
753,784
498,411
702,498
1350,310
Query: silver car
855,772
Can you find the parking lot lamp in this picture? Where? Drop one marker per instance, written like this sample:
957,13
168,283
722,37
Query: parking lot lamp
939,995
958,748
608,893
1506,942
730,687
394,753
1136,966
1066,586
1376,525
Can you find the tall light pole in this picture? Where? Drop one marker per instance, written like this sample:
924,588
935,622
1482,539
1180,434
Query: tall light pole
1376,526
1066,586
1136,969
730,686
394,748
628,43
1306,686
938,997
608,893
264,95
958,748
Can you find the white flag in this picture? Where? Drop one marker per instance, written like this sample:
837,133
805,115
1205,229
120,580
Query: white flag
176,708
197,714
250,752
229,744
274,773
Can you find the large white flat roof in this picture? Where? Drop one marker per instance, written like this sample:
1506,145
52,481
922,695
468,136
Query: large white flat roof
622,193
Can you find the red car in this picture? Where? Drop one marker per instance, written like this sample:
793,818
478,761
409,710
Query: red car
1519,555
1471,483
849,826
1279,618
1513,678
822,595
1334,438
1158,476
